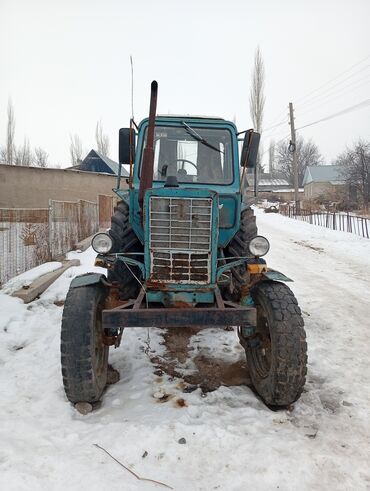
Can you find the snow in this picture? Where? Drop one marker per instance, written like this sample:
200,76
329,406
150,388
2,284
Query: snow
233,441
26,278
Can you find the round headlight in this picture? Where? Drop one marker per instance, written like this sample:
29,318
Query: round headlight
102,243
259,246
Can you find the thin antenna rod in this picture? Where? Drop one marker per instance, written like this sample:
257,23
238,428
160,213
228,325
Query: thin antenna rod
132,88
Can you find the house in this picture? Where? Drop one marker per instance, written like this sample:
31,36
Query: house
324,181
269,183
275,187
96,162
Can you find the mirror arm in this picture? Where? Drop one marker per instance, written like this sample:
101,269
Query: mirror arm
130,154
119,175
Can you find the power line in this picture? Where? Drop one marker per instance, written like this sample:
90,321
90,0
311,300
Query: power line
276,143
274,126
333,79
322,101
335,115
329,89
275,120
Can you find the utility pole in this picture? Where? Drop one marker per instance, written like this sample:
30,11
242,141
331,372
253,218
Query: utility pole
293,150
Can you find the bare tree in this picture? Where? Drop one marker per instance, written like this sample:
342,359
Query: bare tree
3,155
102,140
75,149
10,131
355,163
271,156
307,154
23,155
257,97
41,157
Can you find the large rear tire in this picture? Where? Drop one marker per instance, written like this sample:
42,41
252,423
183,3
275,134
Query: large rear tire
277,353
84,357
124,240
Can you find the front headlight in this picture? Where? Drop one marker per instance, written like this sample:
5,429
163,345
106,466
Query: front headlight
102,243
259,246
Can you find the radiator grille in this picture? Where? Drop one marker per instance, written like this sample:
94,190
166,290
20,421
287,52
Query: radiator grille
180,239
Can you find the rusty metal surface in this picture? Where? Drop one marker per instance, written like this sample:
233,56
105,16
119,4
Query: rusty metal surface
32,236
171,317
63,227
24,215
71,222
88,220
219,299
105,204
24,241
148,154
180,239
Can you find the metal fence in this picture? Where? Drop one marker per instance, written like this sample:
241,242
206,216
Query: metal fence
64,222
30,237
343,221
24,241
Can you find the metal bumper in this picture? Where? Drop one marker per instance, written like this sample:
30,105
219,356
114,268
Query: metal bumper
128,316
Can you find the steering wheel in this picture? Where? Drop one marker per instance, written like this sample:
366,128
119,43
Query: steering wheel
182,166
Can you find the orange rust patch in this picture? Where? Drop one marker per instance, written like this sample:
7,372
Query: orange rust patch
181,402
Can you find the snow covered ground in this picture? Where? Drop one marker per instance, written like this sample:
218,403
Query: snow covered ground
233,441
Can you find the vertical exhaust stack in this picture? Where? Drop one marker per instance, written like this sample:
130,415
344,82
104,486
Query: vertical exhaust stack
146,179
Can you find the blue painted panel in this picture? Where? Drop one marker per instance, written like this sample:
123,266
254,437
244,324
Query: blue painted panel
170,297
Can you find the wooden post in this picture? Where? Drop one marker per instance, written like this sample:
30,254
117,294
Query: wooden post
294,152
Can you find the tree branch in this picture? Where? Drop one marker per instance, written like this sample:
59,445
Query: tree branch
130,471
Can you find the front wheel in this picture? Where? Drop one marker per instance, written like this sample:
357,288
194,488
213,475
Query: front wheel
277,353
84,357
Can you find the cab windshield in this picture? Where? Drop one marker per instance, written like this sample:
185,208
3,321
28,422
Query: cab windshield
192,154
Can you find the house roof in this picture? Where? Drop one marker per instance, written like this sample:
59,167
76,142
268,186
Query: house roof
114,166
273,182
322,173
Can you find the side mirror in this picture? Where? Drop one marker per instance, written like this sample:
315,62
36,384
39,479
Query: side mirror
126,149
250,149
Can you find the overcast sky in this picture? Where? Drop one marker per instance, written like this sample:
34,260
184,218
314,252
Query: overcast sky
66,64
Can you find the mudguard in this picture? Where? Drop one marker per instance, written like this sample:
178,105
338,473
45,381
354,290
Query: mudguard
87,279
273,275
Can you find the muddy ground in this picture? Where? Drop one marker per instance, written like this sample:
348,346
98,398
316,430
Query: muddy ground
209,373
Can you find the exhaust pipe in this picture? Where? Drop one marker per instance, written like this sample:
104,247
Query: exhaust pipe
147,168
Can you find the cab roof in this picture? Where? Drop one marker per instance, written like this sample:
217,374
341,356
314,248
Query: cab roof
187,116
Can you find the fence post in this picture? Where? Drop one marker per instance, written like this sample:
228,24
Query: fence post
79,220
50,231
98,208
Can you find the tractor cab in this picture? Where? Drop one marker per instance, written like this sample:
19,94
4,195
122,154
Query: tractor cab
192,153
200,151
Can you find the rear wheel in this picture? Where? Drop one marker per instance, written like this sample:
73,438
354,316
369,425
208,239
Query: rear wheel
277,353
124,240
84,357
238,247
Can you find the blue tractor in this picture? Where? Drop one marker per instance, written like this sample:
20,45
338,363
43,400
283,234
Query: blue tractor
183,251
